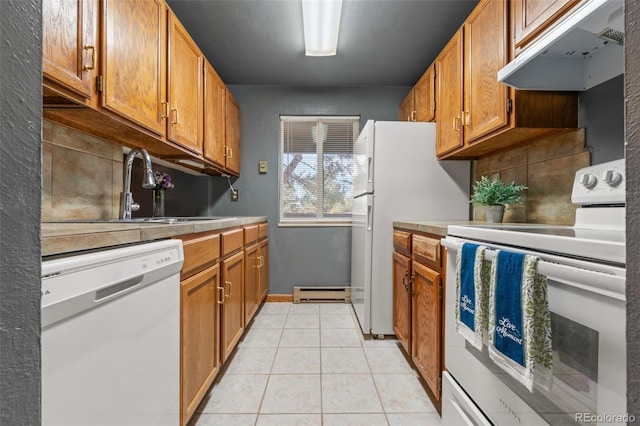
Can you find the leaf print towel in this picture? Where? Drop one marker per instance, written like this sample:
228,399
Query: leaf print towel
519,319
472,292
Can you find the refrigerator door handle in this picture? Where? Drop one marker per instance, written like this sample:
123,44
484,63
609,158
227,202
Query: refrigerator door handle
369,163
369,211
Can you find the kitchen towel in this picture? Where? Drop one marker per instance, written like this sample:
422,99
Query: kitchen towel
472,292
519,319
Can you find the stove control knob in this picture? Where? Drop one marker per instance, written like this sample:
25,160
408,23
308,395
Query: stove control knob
612,178
588,180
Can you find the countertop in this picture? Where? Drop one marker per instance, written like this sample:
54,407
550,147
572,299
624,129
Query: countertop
436,227
68,236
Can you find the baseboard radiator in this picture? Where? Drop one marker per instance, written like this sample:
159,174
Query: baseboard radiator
321,294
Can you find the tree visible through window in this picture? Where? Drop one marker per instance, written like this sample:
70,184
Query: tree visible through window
316,158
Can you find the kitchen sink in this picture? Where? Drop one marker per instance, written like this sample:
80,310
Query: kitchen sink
175,219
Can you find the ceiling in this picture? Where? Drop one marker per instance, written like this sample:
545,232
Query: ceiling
381,42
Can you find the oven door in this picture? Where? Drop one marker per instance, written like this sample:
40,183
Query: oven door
589,351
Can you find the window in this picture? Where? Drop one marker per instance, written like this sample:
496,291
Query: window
316,169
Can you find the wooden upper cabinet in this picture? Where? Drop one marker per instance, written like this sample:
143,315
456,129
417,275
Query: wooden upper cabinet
424,99
232,138
185,125
477,115
419,105
448,67
531,17
215,99
70,46
485,53
406,107
134,61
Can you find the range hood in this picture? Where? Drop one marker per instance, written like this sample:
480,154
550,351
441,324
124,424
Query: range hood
584,50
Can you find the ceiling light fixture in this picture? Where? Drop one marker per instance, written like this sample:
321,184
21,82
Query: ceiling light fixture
321,19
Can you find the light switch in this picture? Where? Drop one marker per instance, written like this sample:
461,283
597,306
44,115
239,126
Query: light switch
262,167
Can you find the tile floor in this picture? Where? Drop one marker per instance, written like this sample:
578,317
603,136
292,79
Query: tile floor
308,364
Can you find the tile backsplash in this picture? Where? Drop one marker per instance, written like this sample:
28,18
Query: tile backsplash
81,175
547,167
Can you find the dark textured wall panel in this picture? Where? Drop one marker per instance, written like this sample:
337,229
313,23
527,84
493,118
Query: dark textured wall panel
632,134
20,192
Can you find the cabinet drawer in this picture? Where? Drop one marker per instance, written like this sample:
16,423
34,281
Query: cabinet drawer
200,252
232,241
426,249
402,241
250,234
263,230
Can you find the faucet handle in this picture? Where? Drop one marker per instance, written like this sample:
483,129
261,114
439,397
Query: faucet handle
135,206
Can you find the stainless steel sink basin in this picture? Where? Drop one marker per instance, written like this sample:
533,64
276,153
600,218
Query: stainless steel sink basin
176,219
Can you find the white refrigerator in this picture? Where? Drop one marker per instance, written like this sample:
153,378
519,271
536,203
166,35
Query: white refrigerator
397,177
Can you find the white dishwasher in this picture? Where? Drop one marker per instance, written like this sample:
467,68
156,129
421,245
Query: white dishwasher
111,336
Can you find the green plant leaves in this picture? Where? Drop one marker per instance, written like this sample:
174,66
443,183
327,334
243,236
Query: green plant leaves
491,192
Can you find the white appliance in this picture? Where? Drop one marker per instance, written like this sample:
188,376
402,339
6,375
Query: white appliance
111,337
397,177
585,268
583,50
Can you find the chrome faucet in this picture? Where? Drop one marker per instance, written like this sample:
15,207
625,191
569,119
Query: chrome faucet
127,205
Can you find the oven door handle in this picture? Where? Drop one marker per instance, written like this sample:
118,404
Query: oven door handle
603,283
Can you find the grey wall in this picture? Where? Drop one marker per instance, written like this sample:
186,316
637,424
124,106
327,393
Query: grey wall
632,134
20,192
298,256
602,115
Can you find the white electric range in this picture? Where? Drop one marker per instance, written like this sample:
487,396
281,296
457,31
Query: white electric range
585,268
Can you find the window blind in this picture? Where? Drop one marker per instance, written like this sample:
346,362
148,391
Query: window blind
316,168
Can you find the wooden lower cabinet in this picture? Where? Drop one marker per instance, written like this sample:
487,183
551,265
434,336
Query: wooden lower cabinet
263,270
232,309
251,280
426,325
418,309
402,300
199,332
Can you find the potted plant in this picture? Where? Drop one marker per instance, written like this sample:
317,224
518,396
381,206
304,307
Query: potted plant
494,195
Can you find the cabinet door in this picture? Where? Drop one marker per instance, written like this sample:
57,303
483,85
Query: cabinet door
69,43
251,279
134,61
449,96
531,17
185,88
485,47
232,315
402,300
199,325
424,99
426,325
215,98
263,281
232,138
406,108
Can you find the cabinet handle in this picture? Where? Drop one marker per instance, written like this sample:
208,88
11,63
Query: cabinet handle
413,116
404,283
221,295
165,113
230,284
456,124
261,261
467,117
408,117
230,153
93,58
175,116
